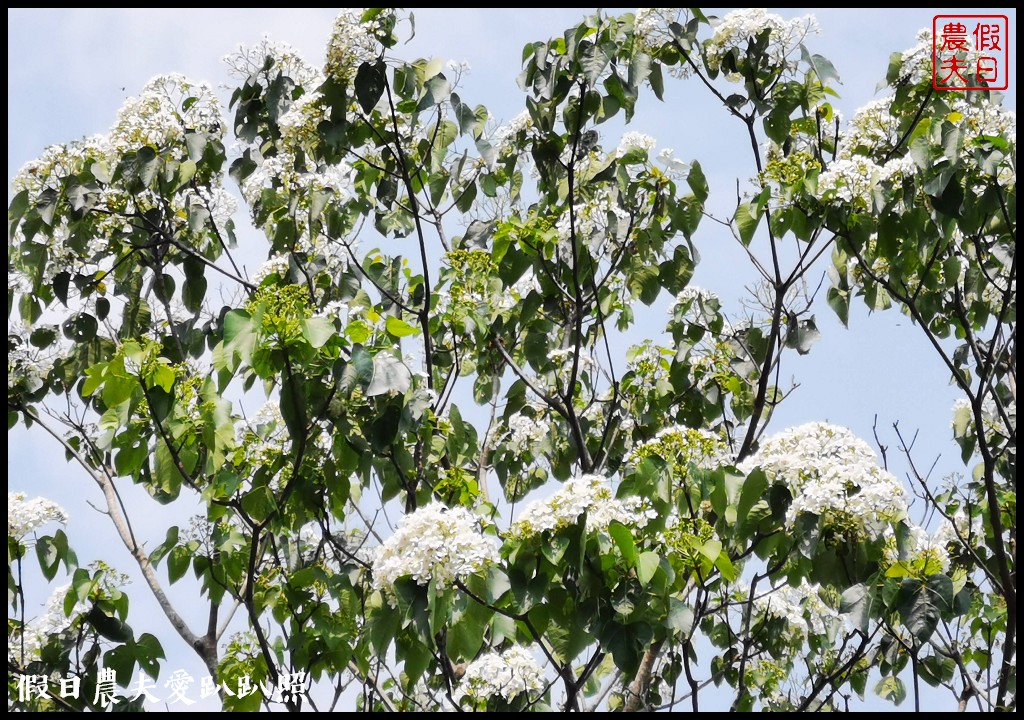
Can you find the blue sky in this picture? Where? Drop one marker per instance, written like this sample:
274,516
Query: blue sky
69,70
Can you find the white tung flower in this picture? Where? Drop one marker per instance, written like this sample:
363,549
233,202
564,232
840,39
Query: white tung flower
833,474
167,107
674,167
354,41
524,432
506,136
506,674
53,621
739,27
599,223
590,494
850,182
249,59
962,421
873,128
635,141
25,516
433,543
689,294
802,607
276,265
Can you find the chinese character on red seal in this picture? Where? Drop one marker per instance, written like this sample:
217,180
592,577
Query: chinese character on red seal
970,52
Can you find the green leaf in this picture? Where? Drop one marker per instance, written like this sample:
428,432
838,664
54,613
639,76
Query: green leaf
239,336
891,688
821,65
52,551
777,124
647,564
147,651
195,143
839,301
747,218
856,603
920,604
697,182
645,283
935,670
163,548
121,660
624,541
725,566
435,91
177,562
317,331
359,370
389,375
259,503
478,233
109,627
399,328
370,83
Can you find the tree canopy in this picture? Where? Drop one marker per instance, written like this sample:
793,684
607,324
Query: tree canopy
429,469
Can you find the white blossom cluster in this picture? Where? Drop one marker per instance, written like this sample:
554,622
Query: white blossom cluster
522,287
249,59
739,27
917,62
562,359
52,621
872,129
688,295
276,265
263,440
220,203
25,516
167,107
56,162
525,432
506,674
433,543
648,22
854,181
281,171
980,119
650,29
959,526
507,136
597,222
300,125
635,141
802,607
833,474
984,118
590,494
27,366
46,175
354,42
649,364
674,168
